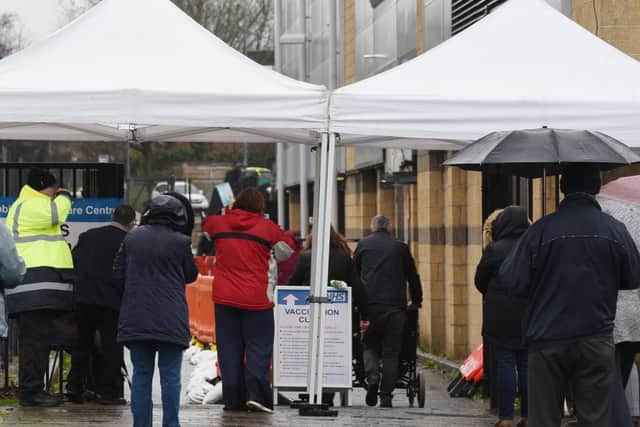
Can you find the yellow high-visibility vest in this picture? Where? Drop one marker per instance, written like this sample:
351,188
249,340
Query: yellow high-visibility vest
34,220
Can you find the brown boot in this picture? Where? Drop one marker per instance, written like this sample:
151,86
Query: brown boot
504,423
522,423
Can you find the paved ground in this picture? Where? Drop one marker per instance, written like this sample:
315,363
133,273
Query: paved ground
440,410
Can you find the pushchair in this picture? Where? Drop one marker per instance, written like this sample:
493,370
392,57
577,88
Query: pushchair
409,377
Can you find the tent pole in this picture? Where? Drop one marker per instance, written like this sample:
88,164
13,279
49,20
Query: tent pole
280,182
127,170
304,205
324,275
319,212
320,265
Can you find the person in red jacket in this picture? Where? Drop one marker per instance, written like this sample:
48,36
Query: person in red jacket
248,247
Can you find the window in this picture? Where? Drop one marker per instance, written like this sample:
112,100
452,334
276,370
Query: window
466,12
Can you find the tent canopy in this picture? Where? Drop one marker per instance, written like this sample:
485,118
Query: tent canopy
148,64
523,66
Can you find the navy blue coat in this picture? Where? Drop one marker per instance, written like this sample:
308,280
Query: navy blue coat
152,267
569,267
93,258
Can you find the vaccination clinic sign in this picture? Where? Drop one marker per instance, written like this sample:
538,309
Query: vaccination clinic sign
291,347
85,214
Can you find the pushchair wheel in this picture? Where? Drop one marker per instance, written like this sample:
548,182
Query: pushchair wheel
422,390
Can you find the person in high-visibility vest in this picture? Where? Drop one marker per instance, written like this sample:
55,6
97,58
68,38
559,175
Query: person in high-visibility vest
47,288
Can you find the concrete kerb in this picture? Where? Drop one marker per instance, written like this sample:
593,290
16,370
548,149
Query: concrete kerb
443,364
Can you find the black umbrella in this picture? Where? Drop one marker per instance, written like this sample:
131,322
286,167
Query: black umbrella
536,153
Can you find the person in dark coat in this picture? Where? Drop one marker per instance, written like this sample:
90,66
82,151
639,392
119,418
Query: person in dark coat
97,310
569,267
502,315
152,267
385,266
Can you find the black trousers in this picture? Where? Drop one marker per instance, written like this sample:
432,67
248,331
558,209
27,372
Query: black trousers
245,347
586,365
384,340
99,367
35,329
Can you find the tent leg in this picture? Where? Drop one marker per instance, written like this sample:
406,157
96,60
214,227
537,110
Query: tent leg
319,236
280,182
127,170
304,206
325,171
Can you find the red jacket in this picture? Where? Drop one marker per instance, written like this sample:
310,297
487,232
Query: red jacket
241,272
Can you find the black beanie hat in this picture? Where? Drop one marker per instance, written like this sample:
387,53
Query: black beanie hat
580,178
39,179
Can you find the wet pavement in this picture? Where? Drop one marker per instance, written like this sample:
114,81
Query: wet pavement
439,410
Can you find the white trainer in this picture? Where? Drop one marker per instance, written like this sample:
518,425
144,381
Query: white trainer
257,406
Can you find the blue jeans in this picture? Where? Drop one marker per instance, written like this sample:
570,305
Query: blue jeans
506,361
143,355
239,334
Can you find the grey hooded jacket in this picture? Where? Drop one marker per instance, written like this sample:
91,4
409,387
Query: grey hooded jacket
12,270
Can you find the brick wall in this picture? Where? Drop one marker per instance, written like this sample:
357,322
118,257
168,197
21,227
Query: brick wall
430,254
616,21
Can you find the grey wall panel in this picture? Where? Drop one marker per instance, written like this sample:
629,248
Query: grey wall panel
564,6
406,15
436,22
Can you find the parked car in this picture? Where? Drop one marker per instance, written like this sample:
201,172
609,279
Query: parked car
199,201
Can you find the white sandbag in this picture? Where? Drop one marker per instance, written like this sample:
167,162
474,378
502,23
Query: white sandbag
195,398
214,396
195,383
204,356
190,352
198,393
206,372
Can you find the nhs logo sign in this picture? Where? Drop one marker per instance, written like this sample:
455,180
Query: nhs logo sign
338,297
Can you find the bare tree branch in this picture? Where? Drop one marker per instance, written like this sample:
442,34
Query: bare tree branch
10,34
243,24
71,9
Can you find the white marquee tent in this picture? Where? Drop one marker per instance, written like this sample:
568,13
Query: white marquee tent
145,65
143,70
523,66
